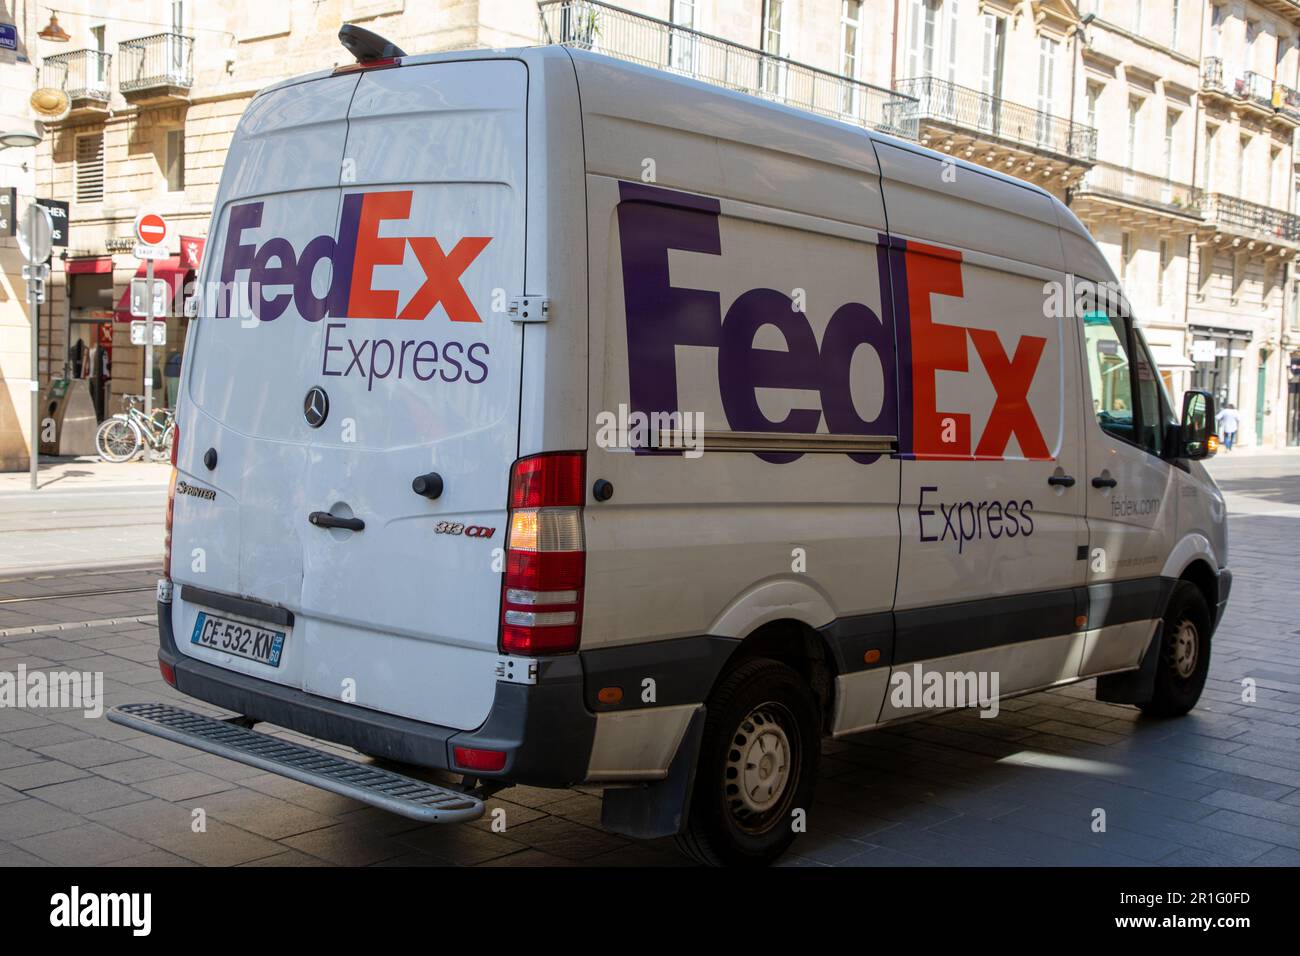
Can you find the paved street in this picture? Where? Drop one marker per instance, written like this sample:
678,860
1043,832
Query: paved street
1220,787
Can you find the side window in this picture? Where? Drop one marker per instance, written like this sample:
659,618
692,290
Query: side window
1128,396
1154,406
1106,343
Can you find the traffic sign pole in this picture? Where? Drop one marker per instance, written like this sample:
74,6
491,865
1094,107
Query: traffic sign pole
35,235
150,233
148,344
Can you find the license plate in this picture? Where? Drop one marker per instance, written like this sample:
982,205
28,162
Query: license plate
239,638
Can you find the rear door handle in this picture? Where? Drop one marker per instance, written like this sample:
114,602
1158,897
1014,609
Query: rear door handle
1064,481
1100,482
323,519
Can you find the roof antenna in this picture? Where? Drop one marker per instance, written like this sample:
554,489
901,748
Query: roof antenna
365,46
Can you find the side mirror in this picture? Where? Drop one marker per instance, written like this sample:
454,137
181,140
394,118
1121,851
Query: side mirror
1196,434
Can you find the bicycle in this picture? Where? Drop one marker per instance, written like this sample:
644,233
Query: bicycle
122,437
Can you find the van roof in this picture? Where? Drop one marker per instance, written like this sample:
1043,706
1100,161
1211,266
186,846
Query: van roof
662,78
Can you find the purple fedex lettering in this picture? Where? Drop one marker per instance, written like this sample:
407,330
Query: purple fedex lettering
274,264
652,220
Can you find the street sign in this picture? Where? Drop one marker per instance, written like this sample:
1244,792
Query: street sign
8,210
1203,350
35,233
59,216
138,333
142,251
140,298
150,228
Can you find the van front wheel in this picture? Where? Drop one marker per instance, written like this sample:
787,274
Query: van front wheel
1184,653
757,767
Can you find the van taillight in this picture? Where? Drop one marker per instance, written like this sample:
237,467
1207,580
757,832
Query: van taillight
541,591
171,504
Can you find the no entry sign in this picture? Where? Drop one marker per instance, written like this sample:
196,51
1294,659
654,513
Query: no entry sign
150,228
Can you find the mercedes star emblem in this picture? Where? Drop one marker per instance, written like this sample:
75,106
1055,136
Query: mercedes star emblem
316,406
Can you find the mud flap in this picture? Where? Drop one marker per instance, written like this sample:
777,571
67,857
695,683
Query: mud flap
659,808
1134,687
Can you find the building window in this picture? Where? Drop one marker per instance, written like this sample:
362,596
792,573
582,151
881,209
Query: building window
1134,110
1171,130
850,47
90,167
174,161
682,45
1162,280
1243,177
1173,38
922,36
1137,16
1211,143
1046,84
774,43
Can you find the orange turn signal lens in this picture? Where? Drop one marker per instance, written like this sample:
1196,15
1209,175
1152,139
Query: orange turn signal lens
610,695
871,656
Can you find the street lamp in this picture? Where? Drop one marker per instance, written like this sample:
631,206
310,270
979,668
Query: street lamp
19,137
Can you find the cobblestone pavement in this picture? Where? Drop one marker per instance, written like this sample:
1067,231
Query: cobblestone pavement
1219,787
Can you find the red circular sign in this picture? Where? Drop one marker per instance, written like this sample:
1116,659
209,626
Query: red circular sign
151,228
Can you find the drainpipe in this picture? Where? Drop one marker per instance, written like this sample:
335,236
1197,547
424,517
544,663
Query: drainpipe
1196,165
893,51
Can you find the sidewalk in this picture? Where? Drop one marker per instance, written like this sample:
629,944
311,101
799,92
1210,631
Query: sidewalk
86,474
84,513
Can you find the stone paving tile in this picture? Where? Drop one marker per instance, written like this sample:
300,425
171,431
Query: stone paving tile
87,794
42,774
86,845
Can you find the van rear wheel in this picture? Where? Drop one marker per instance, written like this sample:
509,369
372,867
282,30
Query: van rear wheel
1184,653
757,766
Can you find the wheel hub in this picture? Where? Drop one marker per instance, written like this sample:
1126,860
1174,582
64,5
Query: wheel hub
1185,648
758,764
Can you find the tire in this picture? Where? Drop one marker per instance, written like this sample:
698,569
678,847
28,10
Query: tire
763,727
1184,653
118,440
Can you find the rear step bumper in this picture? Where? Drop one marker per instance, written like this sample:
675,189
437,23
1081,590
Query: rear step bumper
389,791
545,729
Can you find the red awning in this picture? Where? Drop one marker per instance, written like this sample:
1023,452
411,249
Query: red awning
101,265
169,270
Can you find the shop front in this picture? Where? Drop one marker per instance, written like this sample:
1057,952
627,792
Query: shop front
178,273
1293,399
1219,356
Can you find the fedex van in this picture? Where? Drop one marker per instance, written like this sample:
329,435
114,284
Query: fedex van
550,420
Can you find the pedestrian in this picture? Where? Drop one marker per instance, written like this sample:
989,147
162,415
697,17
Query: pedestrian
1227,421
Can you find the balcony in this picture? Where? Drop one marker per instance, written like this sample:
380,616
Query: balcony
992,131
1261,228
84,76
1249,91
1123,195
156,69
655,43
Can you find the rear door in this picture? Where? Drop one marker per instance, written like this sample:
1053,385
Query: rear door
382,354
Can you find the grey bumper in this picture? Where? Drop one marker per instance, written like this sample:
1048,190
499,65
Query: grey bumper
544,729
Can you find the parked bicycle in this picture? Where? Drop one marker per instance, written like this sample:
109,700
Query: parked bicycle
126,435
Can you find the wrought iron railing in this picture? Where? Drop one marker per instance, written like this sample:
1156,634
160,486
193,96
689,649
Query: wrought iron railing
82,74
1255,87
1252,219
656,43
1108,179
990,116
1287,101
164,59
1212,74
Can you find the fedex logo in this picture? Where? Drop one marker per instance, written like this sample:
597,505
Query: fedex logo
911,347
353,256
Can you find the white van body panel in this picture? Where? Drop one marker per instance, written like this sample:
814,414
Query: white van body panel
752,524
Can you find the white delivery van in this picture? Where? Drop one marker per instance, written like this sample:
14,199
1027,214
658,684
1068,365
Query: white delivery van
559,421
